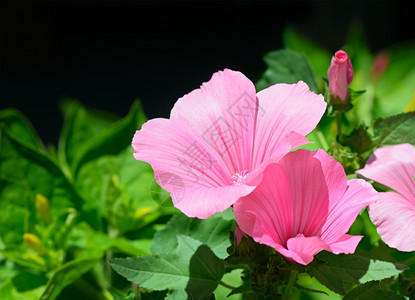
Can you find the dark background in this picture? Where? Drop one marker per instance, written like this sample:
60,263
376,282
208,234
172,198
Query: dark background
108,53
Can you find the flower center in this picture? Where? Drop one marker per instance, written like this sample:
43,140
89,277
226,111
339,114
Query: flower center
238,177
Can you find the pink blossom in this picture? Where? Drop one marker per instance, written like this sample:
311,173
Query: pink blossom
220,137
381,62
304,205
340,75
394,213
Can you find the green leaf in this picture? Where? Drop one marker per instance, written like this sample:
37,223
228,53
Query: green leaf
95,243
20,127
318,57
66,275
119,187
213,232
9,291
192,269
286,66
394,130
396,87
80,126
233,278
371,290
339,269
112,140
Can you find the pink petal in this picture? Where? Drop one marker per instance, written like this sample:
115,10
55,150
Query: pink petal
334,175
284,109
222,112
265,214
394,217
309,195
186,167
302,249
202,202
291,199
303,206
346,244
394,167
343,212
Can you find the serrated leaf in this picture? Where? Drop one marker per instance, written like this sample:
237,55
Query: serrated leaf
192,269
353,269
371,290
66,275
213,232
318,57
286,66
395,130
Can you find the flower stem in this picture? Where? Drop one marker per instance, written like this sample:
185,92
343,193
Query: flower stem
322,139
339,123
290,285
226,285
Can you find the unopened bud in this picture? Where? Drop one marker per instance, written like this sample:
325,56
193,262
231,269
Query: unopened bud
340,75
43,207
33,242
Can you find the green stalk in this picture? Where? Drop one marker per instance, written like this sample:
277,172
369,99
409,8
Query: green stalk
290,285
339,122
226,285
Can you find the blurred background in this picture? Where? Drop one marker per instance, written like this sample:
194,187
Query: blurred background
108,53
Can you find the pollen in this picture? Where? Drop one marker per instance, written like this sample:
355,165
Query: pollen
238,177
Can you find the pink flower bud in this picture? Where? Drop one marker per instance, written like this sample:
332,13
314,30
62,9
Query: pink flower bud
340,74
381,62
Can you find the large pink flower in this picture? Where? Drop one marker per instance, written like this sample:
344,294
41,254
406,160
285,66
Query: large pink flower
221,136
304,205
394,213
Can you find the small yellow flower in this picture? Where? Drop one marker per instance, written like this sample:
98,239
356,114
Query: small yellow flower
43,207
141,212
33,242
411,105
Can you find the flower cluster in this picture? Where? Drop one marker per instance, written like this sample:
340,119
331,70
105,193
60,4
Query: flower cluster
230,146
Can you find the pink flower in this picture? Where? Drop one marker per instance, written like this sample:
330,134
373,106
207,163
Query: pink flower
381,62
340,75
221,136
394,213
304,205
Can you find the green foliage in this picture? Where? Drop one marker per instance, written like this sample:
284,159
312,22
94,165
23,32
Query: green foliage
372,290
20,127
394,130
77,205
318,57
335,270
286,66
65,275
213,232
192,269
